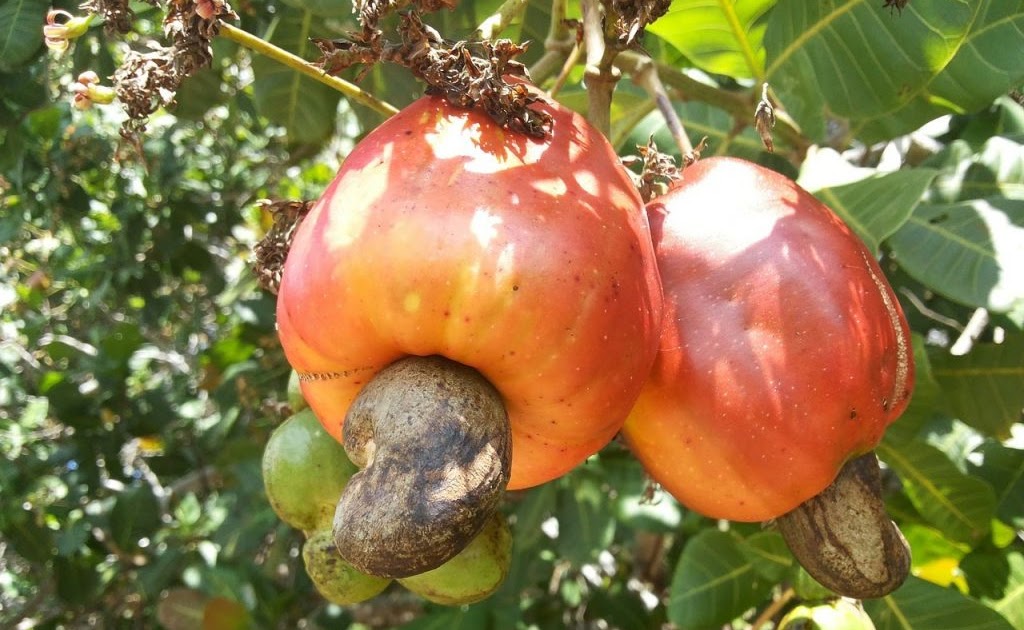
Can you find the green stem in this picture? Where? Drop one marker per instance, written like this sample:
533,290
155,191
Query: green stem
265,48
739,104
557,45
502,19
599,74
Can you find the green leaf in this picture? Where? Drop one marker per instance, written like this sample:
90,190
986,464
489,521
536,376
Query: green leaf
713,582
21,30
470,618
959,505
722,37
1011,604
768,553
538,505
585,524
931,547
985,387
1003,468
997,170
136,514
886,73
874,207
306,108
971,251
921,605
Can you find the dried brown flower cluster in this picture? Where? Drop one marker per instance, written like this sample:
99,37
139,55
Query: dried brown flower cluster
117,14
895,5
467,74
272,250
632,17
146,81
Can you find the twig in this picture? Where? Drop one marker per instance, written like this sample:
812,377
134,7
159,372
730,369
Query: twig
647,77
975,326
563,76
558,43
501,19
263,47
738,104
773,609
599,74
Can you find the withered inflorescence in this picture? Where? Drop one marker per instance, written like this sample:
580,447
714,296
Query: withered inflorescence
467,73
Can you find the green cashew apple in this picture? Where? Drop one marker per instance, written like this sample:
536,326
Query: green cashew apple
472,575
838,614
304,472
337,580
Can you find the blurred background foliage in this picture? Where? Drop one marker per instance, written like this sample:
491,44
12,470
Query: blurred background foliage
140,373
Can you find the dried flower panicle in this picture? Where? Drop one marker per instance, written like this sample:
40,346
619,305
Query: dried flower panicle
467,74
117,15
272,250
895,5
632,17
148,80
657,170
764,119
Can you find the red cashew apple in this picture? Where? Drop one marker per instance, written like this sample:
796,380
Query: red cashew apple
528,261
784,351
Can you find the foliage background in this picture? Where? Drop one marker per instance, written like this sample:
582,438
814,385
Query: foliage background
140,373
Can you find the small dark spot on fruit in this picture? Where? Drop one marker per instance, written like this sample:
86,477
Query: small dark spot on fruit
853,414
408,132
515,287
885,404
447,314
466,319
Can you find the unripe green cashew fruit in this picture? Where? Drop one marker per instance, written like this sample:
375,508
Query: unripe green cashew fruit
472,575
337,580
838,614
295,399
304,472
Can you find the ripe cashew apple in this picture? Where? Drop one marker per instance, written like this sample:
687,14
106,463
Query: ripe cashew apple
784,351
526,263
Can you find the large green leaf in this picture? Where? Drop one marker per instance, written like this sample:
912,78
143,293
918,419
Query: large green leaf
1003,468
713,582
959,505
1011,604
985,387
921,605
889,73
970,251
874,206
997,170
21,30
723,37
305,108
768,552
586,525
